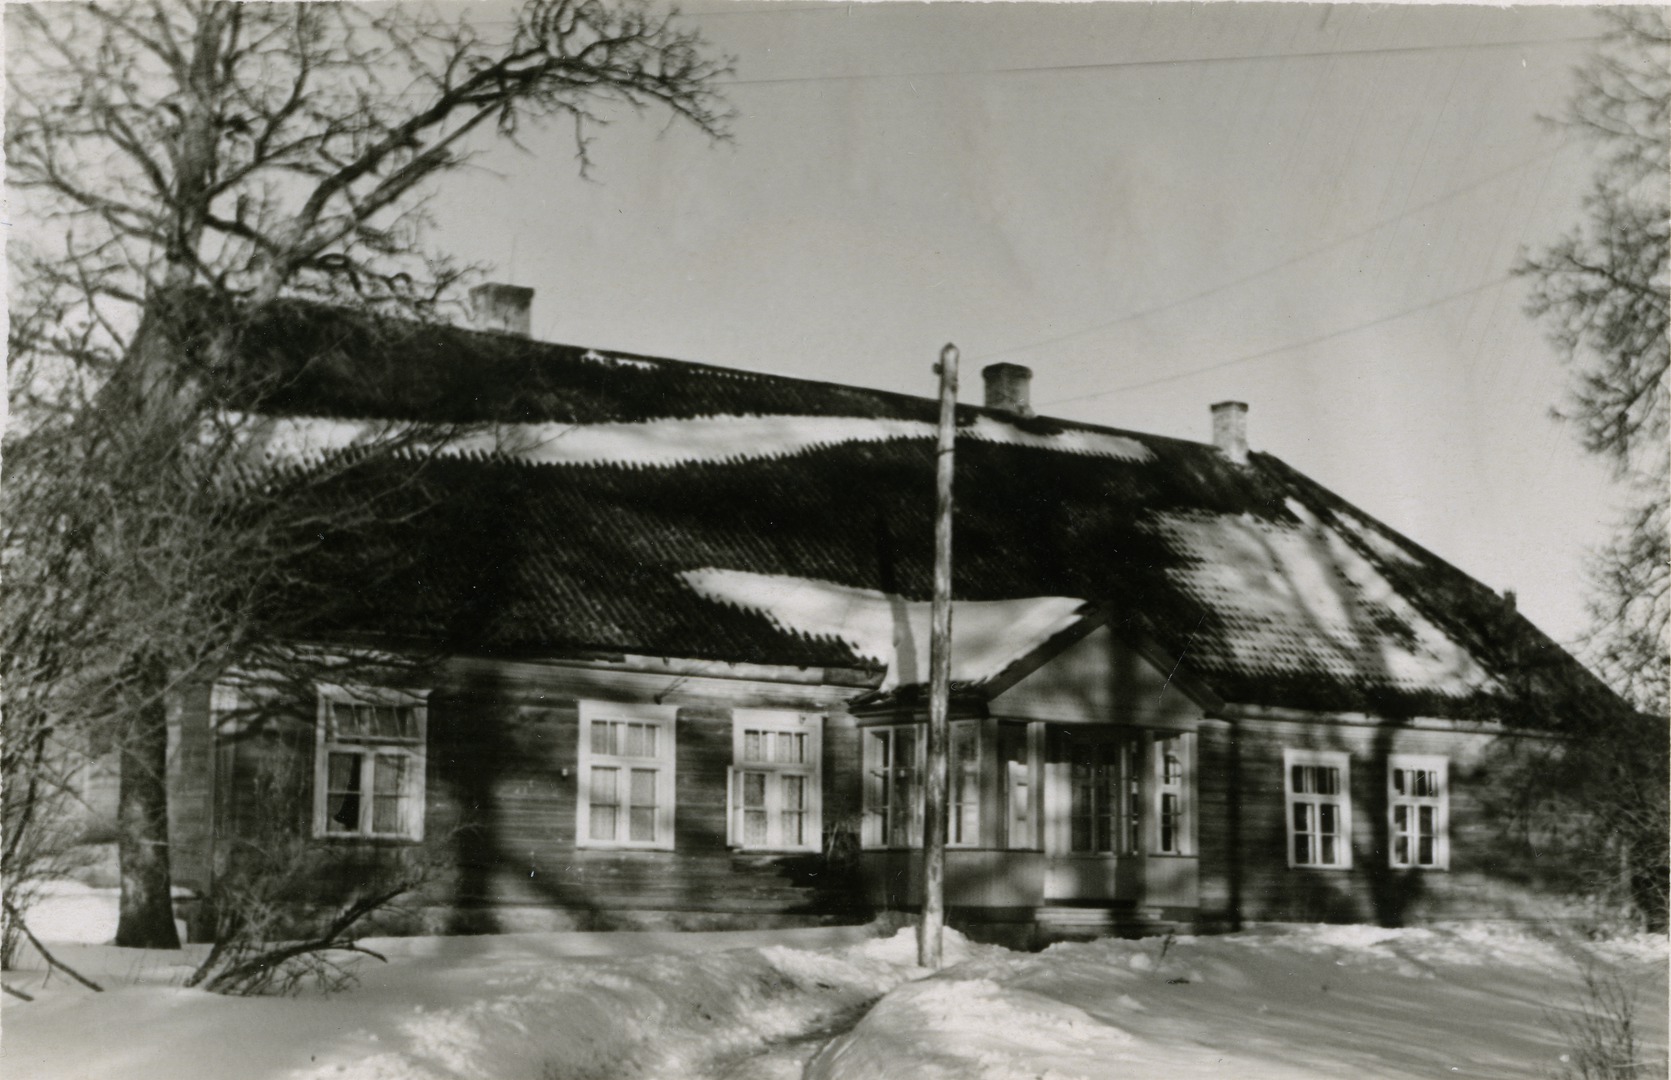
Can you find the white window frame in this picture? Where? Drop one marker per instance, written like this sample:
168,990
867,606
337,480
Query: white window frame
663,720
368,748
1019,825
1183,826
809,770
873,834
1341,799
1438,802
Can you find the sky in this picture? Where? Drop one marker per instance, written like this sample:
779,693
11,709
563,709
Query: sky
1310,208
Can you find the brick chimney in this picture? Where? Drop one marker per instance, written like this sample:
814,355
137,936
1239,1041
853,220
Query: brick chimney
1230,430
1008,388
502,309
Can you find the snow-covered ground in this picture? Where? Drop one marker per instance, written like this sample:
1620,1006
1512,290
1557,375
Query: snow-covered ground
1290,1001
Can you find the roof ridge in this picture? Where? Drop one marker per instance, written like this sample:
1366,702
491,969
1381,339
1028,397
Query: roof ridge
967,410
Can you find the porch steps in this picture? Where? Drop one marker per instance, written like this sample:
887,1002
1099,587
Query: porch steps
1078,922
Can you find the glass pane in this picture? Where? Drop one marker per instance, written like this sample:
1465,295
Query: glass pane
643,823
641,740
1302,849
342,813
342,799
876,749
1398,781
1302,817
603,802
794,828
390,775
752,748
754,827
1401,818
791,748
1297,780
350,719
1081,834
794,793
754,789
1401,850
899,825
644,787
600,737
1328,816
905,747
1328,781
1426,820
344,772
1327,844
386,815
1424,848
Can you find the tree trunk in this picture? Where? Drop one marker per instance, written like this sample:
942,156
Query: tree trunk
146,918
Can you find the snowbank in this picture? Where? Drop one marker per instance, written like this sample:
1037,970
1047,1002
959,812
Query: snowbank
1295,1003
560,1006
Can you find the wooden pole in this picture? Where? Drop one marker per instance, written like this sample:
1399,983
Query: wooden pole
940,676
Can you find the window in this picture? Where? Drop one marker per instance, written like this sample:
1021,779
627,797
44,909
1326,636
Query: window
1319,808
1418,805
369,764
1016,775
893,800
963,811
1172,782
626,776
774,784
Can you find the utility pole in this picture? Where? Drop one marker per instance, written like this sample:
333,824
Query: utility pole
940,676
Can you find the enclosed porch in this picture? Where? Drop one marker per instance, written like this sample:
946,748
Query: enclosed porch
1074,823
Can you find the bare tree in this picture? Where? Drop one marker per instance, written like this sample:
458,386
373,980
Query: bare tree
1603,290
180,165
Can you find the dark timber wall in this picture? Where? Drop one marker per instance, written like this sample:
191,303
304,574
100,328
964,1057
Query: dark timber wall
1243,832
500,814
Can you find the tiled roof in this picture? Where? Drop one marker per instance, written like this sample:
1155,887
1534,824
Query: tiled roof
1271,590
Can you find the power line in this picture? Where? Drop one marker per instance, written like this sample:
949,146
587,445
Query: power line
1394,50
1254,275
1264,353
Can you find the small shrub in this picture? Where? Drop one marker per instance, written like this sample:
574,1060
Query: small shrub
271,935
1601,1036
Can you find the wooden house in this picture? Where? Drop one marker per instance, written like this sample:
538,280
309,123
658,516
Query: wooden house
679,619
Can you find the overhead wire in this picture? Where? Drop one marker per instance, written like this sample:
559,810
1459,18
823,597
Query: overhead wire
1290,347
1391,50
1272,268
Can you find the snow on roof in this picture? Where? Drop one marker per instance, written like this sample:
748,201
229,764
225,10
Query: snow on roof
1296,598
593,356
987,635
677,441
1381,545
